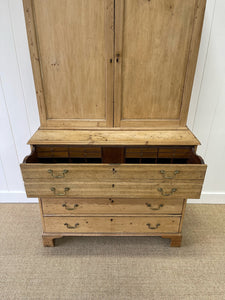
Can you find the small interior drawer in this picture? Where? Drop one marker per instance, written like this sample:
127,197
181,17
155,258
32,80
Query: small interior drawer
124,224
76,206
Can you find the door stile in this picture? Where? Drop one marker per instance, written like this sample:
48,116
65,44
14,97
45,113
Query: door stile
109,44
119,18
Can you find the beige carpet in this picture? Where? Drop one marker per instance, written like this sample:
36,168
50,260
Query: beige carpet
112,267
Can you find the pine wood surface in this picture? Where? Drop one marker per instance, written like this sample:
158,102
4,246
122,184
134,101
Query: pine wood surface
154,40
104,66
110,206
71,61
149,75
112,224
184,189
114,138
112,172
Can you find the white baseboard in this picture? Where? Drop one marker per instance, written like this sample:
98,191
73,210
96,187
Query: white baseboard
209,198
16,197
20,197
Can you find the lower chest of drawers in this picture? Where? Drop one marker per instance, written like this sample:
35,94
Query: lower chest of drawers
114,216
135,191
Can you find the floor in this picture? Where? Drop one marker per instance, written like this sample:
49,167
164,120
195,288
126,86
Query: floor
112,267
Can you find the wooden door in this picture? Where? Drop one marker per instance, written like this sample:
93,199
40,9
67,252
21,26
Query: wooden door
72,46
156,48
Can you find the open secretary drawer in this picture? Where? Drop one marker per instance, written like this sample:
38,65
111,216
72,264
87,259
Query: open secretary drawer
146,172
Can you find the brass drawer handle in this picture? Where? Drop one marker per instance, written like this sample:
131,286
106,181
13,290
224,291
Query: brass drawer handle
58,176
167,194
66,189
70,208
71,227
154,208
151,227
168,175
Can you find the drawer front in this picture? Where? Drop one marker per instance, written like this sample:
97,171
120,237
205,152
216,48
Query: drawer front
63,151
117,189
113,172
72,206
112,224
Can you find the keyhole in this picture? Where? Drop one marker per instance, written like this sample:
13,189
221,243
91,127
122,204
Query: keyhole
114,170
113,185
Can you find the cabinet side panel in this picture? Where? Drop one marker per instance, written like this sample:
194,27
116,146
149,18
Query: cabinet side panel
34,55
193,56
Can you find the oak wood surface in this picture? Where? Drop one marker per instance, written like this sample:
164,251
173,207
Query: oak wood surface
114,137
110,206
112,224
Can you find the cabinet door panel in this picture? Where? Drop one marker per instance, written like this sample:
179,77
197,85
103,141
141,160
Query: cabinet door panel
74,47
153,41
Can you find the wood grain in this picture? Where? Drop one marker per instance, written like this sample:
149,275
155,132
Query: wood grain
73,61
110,206
114,137
192,60
115,189
155,40
112,224
112,172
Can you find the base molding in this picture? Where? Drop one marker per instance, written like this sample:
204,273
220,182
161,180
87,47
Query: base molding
48,238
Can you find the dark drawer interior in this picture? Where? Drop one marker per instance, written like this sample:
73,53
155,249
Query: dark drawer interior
128,155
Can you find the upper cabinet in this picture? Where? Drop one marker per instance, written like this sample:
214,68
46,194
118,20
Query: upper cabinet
106,63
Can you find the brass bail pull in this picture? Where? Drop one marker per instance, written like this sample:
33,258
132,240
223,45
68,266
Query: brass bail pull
66,189
167,194
70,208
71,227
64,172
169,175
154,208
152,227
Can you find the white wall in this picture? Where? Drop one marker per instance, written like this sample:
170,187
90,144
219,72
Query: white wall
19,114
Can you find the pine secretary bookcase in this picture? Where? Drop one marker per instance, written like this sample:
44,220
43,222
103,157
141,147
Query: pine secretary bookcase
113,155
